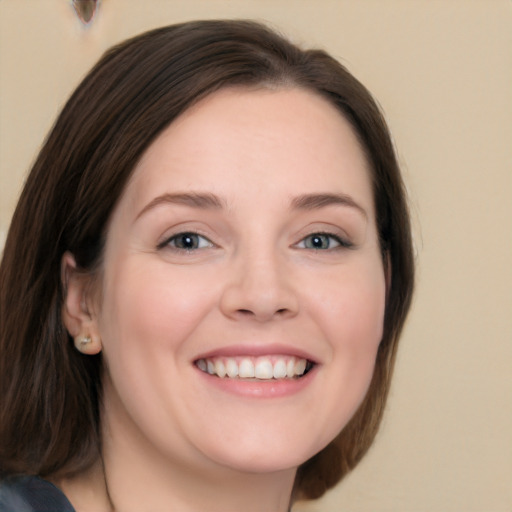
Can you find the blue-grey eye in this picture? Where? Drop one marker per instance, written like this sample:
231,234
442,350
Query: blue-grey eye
320,241
188,241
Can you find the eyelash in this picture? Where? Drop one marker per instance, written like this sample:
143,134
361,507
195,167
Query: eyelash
340,242
168,242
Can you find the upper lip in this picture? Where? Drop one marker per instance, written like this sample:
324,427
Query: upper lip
258,350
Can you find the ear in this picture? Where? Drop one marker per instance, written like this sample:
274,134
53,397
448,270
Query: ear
78,308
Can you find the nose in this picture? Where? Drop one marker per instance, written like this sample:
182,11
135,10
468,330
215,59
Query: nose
259,288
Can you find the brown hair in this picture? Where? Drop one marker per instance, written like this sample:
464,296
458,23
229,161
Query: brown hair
50,393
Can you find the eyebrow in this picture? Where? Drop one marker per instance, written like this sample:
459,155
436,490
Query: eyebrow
204,201
317,201
208,201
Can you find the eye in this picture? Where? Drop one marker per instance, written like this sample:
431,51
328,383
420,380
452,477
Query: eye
186,242
322,241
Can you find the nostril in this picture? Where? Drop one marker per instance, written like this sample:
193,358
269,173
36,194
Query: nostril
281,312
247,300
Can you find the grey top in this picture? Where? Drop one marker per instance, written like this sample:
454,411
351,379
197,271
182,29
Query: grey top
32,494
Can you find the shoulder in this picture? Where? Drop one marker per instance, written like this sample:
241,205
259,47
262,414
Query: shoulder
31,494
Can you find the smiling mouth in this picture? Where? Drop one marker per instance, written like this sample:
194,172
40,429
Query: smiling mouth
255,368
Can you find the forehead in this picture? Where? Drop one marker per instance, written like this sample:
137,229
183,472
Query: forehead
239,141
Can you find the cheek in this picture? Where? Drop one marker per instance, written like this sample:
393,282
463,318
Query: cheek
361,323
351,315
148,316
149,307
351,309
361,319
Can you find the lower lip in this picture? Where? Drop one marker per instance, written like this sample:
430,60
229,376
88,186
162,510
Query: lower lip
272,388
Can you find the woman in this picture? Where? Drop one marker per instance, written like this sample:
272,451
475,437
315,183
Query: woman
204,281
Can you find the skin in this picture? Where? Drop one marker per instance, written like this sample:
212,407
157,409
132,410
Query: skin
171,437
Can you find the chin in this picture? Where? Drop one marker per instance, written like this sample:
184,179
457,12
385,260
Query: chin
264,457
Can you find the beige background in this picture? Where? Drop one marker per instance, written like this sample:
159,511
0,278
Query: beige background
442,71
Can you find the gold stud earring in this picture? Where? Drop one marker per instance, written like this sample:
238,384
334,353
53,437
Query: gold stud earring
81,342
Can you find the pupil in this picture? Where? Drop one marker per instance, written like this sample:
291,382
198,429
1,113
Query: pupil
318,241
187,241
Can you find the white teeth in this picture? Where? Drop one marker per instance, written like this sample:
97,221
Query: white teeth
279,369
263,368
290,368
220,369
246,369
231,368
300,367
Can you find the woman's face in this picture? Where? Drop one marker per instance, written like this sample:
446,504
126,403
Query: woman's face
245,243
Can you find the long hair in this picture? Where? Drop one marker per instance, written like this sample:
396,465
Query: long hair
50,393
